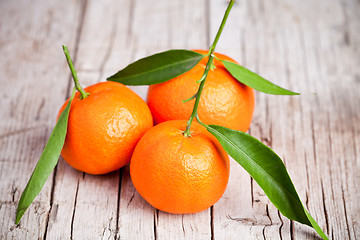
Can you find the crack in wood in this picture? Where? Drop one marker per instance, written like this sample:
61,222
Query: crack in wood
156,220
131,199
263,232
117,232
308,181
51,202
291,229
252,191
307,199
38,112
313,137
271,223
324,206
74,210
346,217
13,191
103,233
247,221
281,225
331,184
354,232
182,225
107,227
212,223
268,215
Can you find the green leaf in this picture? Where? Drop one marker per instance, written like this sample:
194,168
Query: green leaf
268,170
254,81
46,163
157,68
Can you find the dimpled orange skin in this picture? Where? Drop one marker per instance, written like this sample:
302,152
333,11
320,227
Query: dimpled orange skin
104,128
224,100
179,174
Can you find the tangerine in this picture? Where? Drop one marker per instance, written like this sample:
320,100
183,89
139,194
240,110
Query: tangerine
179,174
224,100
104,128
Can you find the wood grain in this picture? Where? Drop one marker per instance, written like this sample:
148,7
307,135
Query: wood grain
311,47
31,37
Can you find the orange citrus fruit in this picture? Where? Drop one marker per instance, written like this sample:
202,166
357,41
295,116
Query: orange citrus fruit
224,100
179,174
104,128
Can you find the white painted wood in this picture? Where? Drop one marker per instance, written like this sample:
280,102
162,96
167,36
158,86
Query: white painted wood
164,16
244,211
89,204
136,217
306,46
183,226
32,88
280,43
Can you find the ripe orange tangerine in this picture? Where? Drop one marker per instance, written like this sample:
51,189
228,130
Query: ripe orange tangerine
179,174
104,128
224,100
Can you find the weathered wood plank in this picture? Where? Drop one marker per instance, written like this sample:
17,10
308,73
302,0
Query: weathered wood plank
301,129
245,211
307,46
132,207
136,218
86,206
33,85
145,41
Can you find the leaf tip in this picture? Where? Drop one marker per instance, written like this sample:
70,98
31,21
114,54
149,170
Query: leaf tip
110,78
293,93
19,214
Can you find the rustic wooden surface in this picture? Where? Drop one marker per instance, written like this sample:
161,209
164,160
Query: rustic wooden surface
312,47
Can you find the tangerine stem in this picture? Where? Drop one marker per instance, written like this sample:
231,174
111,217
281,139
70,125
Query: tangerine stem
74,74
194,113
222,25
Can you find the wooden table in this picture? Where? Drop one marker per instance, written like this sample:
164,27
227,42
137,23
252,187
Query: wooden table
312,47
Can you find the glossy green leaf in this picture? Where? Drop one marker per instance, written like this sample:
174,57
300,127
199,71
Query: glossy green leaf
268,170
254,81
157,68
46,163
